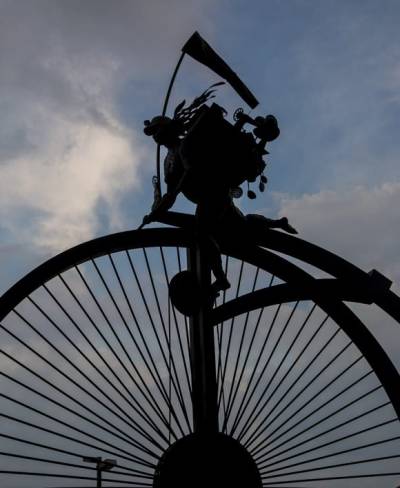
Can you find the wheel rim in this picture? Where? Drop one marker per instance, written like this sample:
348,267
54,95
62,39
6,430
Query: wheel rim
281,369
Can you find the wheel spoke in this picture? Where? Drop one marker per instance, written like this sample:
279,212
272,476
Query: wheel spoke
96,362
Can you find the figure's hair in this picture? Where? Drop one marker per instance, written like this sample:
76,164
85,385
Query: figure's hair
186,114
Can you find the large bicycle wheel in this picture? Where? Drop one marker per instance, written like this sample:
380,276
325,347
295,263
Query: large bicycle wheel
95,361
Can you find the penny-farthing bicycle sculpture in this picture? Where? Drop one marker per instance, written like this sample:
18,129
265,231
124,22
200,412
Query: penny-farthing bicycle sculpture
124,347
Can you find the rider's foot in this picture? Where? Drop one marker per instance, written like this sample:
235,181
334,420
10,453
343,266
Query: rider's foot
220,284
284,224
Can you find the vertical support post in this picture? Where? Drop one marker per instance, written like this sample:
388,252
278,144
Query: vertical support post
202,352
98,469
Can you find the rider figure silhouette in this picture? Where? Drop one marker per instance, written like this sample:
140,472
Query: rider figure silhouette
207,160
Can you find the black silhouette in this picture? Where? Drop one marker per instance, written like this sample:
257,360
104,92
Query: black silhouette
208,159
198,399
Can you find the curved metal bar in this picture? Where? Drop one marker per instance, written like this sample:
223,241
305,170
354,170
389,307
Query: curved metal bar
312,254
171,83
338,311
87,250
164,111
290,292
330,263
253,254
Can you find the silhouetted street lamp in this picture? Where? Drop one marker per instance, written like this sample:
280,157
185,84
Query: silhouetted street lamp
101,465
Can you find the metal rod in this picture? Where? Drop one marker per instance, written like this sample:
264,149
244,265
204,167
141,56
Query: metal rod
174,377
306,403
294,382
186,328
76,429
202,351
94,348
225,365
164,111
178,334
133,442
112,350
331,478
73,465
361,397
230,400
245,401
247,356
127,456
267,475
252,417
64,451
320,407
98,477
54,475
220,336
128,421
138,408
336,453
357,417
160,384
109,323
158,411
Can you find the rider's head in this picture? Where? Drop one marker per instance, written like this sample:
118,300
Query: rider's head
267,128
165,131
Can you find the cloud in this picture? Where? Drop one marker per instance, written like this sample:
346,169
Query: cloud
337,97
49,196
361,224
66,156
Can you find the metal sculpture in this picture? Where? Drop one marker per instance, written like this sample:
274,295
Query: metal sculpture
209,159
122,347
95,361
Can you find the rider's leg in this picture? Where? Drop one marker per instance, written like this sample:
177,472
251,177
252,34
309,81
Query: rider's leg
208,216
213,255
282,223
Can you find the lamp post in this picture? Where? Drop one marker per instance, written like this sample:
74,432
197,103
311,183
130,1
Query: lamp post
101,465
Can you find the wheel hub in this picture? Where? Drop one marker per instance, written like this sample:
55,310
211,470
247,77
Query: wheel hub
197,461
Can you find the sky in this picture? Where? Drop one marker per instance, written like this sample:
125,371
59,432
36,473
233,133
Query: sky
78,78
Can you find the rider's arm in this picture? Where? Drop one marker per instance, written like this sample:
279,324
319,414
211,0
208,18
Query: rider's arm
242,120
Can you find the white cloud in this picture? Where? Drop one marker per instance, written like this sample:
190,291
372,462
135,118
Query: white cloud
75,165
361,224
64,151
